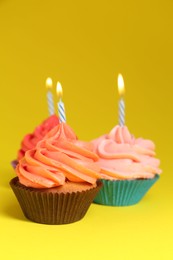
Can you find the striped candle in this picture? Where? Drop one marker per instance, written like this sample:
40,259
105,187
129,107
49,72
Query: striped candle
121,104
50,97
61,108
121,112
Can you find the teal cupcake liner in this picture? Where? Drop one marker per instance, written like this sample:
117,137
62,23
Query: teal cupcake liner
123,192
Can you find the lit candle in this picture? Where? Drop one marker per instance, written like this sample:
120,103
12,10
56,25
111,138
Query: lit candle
61,109
50,96
121,104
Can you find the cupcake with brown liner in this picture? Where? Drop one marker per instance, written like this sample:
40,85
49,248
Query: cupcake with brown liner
57,180
128,167
30,140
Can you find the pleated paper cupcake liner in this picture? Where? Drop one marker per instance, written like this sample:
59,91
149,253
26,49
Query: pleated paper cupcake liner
53,208
123,192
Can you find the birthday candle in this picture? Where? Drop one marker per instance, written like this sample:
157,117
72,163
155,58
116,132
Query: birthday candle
50,97
121,104
61,108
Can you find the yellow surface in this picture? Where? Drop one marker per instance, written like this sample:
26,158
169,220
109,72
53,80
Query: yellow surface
84,45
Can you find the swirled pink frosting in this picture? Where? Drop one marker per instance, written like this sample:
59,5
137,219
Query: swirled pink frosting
122,156
57,158
30,140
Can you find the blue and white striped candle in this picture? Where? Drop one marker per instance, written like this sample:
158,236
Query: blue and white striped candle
50,97
61,108
121,104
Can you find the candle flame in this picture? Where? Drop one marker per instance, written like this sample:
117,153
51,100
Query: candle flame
59,89
49,83
121,88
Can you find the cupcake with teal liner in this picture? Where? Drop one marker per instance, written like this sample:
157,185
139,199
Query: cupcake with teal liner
128,167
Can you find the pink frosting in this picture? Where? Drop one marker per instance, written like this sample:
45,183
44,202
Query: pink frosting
122,156
30,140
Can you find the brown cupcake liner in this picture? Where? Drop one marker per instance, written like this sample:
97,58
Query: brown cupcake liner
53,208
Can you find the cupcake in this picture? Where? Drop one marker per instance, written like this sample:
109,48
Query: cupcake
30,140
128,167
58,179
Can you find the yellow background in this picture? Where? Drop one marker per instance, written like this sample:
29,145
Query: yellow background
84,45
